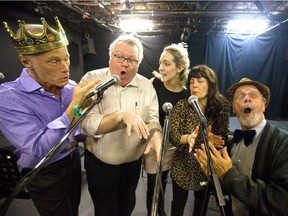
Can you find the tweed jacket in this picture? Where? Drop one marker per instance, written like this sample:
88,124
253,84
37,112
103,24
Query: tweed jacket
266,193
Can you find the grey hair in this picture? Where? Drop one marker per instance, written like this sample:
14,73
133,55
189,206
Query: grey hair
130,39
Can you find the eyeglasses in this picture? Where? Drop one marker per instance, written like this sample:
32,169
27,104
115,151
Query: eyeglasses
121,59
241,96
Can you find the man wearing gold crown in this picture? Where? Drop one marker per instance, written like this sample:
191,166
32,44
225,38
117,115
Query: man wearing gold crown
255,173
36,110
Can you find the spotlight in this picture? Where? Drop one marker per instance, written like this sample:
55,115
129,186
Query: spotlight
247,25
136,25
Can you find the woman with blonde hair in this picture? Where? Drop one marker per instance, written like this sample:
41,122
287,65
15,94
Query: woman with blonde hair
169,83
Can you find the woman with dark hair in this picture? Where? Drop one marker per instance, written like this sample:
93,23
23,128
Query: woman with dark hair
185,171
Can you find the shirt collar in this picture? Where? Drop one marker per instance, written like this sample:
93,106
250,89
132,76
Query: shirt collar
28,82
133,82
259,128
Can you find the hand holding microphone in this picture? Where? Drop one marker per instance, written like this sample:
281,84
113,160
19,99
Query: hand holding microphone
113,80
79,98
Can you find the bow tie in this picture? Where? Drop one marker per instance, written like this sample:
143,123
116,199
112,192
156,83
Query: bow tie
247,135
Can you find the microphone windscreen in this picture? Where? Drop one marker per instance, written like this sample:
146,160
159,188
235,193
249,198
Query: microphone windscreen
117,79
2,76
191,99
167,106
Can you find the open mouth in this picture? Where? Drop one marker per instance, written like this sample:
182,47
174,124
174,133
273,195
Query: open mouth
123,74
247,110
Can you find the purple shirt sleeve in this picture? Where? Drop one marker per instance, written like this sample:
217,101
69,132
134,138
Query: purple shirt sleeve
34,120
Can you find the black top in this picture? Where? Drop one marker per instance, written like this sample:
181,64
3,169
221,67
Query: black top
164,95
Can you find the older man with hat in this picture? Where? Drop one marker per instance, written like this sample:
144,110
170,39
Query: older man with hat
36,111
253,168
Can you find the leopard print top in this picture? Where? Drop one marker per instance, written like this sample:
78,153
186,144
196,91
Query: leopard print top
185,169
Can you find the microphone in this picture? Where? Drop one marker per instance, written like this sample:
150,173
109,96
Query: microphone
2,76
167,107
193,101
113,80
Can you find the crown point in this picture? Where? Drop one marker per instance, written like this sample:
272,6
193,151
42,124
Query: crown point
34,38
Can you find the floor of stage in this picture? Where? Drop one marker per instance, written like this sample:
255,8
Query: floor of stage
22,207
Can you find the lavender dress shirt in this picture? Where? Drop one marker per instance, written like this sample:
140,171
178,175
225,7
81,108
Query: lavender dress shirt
34,120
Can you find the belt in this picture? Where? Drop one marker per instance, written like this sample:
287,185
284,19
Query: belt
70,156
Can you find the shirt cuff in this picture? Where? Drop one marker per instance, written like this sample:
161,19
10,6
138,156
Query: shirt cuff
61,122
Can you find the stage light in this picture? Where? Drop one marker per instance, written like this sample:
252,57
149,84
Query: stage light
135,25
125,4
253,26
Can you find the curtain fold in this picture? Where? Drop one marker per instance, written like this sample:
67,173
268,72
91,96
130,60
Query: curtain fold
263,59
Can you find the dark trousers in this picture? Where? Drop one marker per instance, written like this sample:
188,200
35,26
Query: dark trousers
112,187
151,179
56,189
180,196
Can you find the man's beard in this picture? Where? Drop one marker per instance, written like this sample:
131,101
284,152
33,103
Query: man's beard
251,121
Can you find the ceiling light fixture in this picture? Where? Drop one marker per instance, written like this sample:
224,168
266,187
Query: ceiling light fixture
135,25
252,26
125,4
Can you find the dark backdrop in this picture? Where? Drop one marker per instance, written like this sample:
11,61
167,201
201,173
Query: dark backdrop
263,58
9,63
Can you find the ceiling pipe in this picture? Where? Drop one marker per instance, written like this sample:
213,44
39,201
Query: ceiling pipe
81,12
104,6
272,27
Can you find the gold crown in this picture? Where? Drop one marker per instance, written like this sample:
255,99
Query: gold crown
29,43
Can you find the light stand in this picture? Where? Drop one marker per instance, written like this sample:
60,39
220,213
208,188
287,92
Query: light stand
158,184
29,176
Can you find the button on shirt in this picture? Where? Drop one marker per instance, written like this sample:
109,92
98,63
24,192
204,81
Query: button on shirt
243,158
138,96
34,120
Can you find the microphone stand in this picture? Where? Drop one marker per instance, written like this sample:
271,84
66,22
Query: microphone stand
158,184
213,177
29,176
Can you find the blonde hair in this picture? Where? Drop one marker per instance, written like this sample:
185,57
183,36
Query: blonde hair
181,58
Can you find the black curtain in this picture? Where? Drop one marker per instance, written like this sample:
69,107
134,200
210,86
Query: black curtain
263,59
